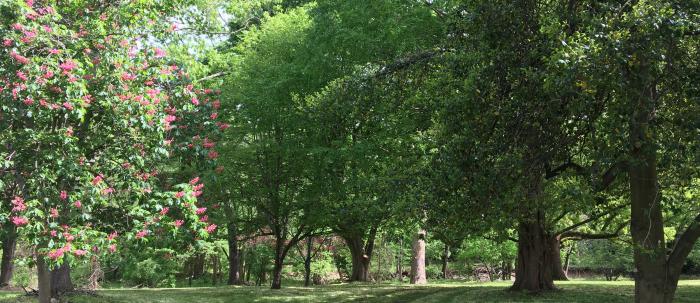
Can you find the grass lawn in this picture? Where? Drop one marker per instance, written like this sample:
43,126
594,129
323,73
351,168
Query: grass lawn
570,292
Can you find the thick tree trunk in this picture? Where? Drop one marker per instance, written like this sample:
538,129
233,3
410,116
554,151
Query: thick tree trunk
418,261
558,273
360,260
234,277
307,262
9,245
44,280
445,261
60,280
533,270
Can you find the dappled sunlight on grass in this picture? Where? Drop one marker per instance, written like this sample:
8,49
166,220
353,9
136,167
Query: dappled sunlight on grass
453,291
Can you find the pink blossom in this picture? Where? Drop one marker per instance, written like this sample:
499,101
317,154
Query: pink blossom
28,101
178,223
53,213
64,195
195,101
54,233
97,179
107,190
216,104
197,193
19,58
194,181
69,131
112,248
78,204
211,228
22,76
213,154
17,26
164,211
55,254
79,252
7,42
18,204
19,221
68,65
128,77
68,106
141,233
179,194
198,186
159,53
204,218
112,236
201,210
208,144
213,116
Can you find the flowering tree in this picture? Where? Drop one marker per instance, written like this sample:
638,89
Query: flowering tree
89,113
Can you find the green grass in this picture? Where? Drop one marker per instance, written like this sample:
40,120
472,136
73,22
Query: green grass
569,292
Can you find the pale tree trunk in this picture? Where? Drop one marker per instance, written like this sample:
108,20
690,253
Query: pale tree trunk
9,245
418,261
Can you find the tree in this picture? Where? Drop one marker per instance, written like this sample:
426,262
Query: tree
85,121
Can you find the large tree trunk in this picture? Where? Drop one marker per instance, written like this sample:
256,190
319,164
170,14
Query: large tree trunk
533,270
60,280
9,245
418,261
234,277
360,260
361,253
445,261
558,273
307,262
44,280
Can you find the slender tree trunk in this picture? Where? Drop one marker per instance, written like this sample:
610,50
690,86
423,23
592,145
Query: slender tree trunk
60,280
566,260
44,280
558,273
307,262
445,261
234,277
418,261
9,245
279,263
399,261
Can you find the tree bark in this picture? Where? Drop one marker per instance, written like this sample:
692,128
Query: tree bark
307,262
44,280
60,280
279,263
445,261
558,273
360,259
533,270
9,245
418,261
234,277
